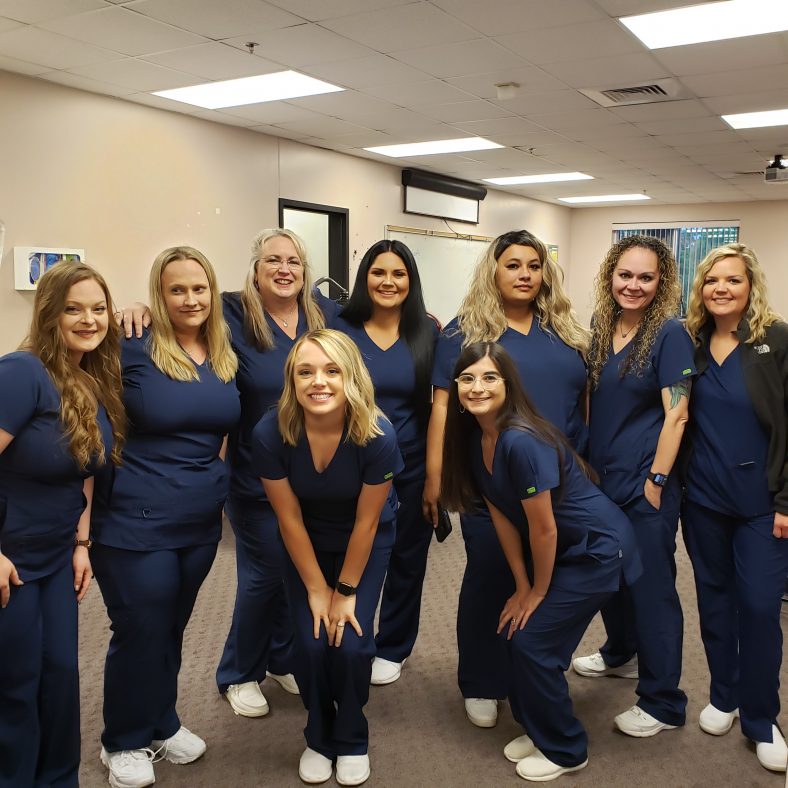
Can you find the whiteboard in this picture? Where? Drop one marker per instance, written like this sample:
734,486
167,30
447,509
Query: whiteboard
445,262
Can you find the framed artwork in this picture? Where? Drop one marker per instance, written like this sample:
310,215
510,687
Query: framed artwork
32,262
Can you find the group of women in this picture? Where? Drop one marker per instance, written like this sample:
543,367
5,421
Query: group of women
332,439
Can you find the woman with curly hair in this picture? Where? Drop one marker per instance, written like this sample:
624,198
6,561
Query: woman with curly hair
641,367
735,511
61,418
516,298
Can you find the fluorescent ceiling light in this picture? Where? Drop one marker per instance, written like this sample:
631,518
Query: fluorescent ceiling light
606,198
435,146
549,177
249,90
757,120
709,22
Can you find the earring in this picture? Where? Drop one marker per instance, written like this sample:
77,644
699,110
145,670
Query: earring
462,410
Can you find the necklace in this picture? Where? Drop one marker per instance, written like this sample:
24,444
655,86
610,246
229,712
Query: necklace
284,320
625,334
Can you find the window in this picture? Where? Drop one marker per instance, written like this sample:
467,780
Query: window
689,244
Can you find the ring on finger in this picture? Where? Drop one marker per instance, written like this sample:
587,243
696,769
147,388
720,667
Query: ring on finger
341,624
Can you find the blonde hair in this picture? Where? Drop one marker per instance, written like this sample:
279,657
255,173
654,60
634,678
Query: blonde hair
255,324
481,316
758,313
607,311
96,379
361,412
165,352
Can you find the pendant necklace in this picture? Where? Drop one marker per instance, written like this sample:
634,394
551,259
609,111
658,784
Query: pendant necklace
283,320
625,334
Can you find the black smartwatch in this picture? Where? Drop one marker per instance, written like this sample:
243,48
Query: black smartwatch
345,588
660,479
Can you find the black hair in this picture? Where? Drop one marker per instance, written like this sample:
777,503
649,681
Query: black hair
416,327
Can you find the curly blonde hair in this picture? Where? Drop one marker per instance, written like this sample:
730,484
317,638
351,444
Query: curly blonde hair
607,311
361,412
758,313
481,316
96,379
255,324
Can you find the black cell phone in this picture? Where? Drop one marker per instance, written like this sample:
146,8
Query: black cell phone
443,529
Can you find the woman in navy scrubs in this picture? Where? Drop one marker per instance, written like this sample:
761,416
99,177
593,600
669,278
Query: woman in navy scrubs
641,366
157,521
327,459
388,321
61,417
735,512
568,546
516,298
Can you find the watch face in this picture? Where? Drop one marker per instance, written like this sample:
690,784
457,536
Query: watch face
345,589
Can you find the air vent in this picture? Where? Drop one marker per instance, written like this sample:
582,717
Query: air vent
664,90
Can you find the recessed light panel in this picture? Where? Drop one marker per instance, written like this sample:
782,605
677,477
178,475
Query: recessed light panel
605,198
757,120
250,90
435,146
548,177
709,22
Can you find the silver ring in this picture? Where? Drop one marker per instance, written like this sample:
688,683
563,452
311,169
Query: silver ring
514,621
341,624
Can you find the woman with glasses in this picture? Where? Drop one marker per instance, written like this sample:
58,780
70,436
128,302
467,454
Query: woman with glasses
516,298
567,546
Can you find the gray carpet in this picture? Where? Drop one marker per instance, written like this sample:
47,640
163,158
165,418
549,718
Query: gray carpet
419,735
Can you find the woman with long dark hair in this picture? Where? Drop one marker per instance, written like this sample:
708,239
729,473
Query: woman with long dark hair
388,321
61,419
641,367
516,297
567,546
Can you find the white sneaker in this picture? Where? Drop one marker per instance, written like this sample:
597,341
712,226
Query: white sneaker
594,665
286,681
640,724
539,768
129,768
773,755
182,747
519,748
314,768
247,699
384,671
482,712
716,722
352,769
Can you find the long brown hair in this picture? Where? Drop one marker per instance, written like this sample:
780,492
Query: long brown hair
96,379
458,489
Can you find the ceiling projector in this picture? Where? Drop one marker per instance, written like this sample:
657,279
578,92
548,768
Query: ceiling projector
777,171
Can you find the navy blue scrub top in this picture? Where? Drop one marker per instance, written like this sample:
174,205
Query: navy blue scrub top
727,471
41,497
328,499
627,413
595,539
170,489
394,377
260,381
553,374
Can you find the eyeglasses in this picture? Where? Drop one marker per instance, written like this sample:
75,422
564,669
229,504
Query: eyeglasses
278,262
489,380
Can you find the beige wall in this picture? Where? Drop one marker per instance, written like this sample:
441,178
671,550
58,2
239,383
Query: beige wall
123,181
764,227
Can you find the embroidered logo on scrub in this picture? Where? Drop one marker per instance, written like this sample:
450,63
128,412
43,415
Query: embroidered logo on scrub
687,372
389,475
531,490
761,349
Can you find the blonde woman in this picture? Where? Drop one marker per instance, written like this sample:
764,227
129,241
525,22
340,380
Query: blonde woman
61,418
641,368
157,523
327,460
516,298
735,511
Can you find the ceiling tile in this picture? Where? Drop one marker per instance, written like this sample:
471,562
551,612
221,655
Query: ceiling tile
137,75
224,19
85,83
222,117
276,131
619,133
700,138
530,79
455,60
323,127
317,10
525,138
32,11
21,66
746,102
365,72
214,61
364,139
270,113
162,103
416,25
662,110
552,102
579,119
608,72
414,94
726,83
482,128
476,109
34,45
736,53
684,125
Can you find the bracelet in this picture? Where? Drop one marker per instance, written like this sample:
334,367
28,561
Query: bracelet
82,543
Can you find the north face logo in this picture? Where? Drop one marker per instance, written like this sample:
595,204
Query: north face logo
760,349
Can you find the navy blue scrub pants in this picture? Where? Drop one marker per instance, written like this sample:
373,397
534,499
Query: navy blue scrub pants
149,598
483,670
400,607
740,570
646,618
334,682
261,633
541,653
39,684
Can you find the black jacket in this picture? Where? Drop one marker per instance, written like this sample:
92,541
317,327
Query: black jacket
765,367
